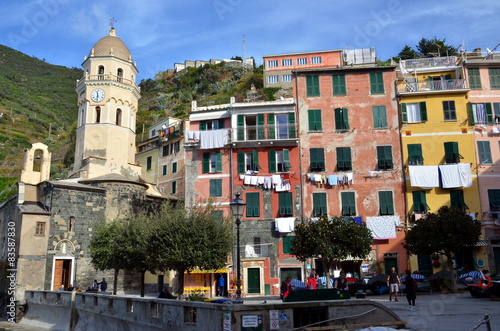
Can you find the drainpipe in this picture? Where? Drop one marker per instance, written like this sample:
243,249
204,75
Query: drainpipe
297,121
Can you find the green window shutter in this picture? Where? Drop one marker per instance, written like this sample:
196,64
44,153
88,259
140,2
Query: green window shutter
255,159
494,199
457,199
484,151
287,244
241,130
313,164
348,203
404,113
272,161
423,111
213,187
489,113
205,168
451,153
285,204
345,119
218,162
221,123
174,187
494,78
386,203
312,83
319,204
474,78
415,154
376,83
291,125
260,125
241,162
471,113
271,132
317,159
314,116
219,187
203,125
338,119
344,161
379,117
384,155
253,204
286,159
339,87
164,170
419,203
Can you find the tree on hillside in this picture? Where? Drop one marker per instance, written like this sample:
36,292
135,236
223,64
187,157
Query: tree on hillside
446,232
407,53
428,48
331,239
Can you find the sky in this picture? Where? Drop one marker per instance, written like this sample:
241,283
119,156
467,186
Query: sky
160,33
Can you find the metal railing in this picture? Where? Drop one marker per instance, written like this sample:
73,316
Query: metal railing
432,85
107,77
445,61
265,132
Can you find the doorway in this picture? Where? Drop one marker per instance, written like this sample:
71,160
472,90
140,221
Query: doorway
389,263
62,273
253,280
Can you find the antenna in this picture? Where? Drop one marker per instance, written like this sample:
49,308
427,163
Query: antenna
244,49
111,22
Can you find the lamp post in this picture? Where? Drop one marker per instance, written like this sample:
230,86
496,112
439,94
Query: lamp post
237,208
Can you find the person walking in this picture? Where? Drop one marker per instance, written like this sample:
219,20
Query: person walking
410,290
221,283
393,282
285,288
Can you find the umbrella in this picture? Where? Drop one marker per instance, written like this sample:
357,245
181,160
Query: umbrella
415,276
352,279
378,278
297,283
443,274
473,274
323,281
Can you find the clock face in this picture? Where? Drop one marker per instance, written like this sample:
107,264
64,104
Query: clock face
97,95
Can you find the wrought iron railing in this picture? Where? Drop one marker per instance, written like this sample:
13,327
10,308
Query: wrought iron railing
431,85
265,132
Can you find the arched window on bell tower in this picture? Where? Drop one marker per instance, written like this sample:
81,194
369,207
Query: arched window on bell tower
37,160
118,116
119,73
82,117
100,72
98,114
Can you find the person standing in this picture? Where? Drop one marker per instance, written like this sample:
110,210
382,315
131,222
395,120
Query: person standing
104,285
312,284
221,283
285,288
410,290
393,282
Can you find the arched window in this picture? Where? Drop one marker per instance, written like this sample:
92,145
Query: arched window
37,161
100,72
118,116
98,114
71,227
82,117
119,73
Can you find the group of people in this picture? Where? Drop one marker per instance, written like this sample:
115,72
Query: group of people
394,282
313,283
95,286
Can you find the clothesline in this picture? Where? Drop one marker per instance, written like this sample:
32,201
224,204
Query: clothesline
341,179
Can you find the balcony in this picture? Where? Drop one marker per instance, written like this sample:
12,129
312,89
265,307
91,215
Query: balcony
412,87
278,135
428,63
109,78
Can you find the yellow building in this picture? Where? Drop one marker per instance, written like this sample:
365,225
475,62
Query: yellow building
438,146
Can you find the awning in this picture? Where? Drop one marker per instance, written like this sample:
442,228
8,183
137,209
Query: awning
481,243
211,271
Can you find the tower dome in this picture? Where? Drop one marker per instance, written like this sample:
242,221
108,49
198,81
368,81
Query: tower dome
111,45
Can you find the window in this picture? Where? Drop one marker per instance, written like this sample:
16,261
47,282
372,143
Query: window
272,63
348,204
175,147
414,112
339,87
285,126
287,244
386,203
286,78
285,204
279,161
415,154
344,161
218,215
314,116
317,159
312,84
212,162
248,161
174,167
164,150
449,111
273,79
384,156
98,114
319,204
40,229
174,187
419,202
149,161
484,151
494,199
164,170
496,109
379,117
376,83
480,113
118,120
474,78
253,204
316,60
286,62
257,246
212,125
71,224
457,199
215,187
451,153
341,119
302,60
494,78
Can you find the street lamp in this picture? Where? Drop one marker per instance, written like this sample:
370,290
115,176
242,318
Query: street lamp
237,208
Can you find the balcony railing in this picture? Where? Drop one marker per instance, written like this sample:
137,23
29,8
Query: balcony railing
445,61
431,85
109,77
265,132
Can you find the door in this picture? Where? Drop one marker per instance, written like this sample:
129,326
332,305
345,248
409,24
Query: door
253,279
58,274
425,265
389,263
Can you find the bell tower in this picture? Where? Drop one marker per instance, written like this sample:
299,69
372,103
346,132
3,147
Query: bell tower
107,107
